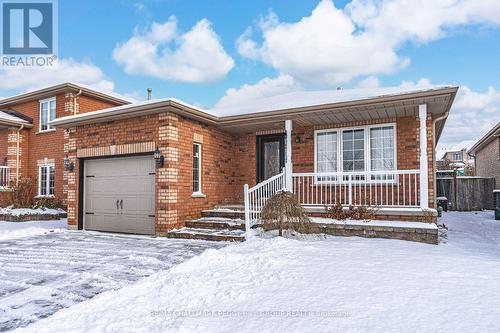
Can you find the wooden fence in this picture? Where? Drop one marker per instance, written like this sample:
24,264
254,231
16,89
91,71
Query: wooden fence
472,193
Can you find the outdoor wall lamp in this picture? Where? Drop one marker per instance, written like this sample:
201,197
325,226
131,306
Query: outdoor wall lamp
68,164
297,139
160,160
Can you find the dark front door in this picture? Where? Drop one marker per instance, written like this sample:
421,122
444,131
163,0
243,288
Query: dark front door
270,156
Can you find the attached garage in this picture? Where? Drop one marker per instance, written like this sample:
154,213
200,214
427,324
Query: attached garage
119,194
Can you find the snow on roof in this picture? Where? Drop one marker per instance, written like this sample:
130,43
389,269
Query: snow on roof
274,103
9,117
124,107
313,98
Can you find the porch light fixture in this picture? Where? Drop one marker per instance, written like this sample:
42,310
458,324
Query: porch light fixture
160,160
68,164
297,139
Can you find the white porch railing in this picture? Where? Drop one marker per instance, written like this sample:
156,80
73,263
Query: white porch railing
256,197
4,177
384,189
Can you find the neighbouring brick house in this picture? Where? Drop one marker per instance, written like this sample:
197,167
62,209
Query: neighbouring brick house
30,147
486,152
148,167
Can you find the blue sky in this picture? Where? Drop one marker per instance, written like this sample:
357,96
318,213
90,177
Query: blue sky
443,42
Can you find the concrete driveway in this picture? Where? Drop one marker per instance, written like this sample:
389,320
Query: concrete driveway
40,275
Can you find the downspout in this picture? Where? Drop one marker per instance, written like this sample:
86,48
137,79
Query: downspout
434,121
17,153
74,101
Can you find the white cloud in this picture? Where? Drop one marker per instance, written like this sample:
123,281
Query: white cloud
64,70
472,114
333,46
195,56
369,82
264,88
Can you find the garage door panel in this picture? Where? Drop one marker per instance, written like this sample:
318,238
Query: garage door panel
138,206
130,180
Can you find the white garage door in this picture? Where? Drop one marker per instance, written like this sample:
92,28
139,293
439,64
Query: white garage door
119,195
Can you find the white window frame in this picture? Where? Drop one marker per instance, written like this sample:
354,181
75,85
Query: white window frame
47,180
199,192
367,149
40,102
456,155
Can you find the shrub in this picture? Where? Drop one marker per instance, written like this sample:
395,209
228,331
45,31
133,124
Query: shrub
337,212
282,211
23,194
49,203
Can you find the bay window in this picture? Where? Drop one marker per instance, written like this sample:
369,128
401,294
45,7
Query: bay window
358,149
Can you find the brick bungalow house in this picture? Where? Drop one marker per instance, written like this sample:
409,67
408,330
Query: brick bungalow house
30,146
148,167
486,152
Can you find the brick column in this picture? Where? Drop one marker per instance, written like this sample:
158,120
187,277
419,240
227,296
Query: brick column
70,187
12,153
167,216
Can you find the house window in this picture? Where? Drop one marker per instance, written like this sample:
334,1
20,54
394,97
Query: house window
456,157
197,168
326,152
47,113
353,150
368,148
46,180
382,148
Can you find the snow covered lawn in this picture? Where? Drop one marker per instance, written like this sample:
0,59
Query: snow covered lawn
12,230
328,284
42,274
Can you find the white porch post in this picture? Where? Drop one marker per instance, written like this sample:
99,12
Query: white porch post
424,177
288,160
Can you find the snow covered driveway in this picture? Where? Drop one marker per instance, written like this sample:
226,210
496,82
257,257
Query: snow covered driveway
40,275
328,284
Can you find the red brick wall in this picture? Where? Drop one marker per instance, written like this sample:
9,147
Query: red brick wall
50,144
174,136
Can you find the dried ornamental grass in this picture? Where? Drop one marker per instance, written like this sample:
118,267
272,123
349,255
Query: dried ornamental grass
282,211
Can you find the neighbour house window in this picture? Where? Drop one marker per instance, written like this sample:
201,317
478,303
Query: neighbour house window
46,180
369,148
456,156
197,168
47,113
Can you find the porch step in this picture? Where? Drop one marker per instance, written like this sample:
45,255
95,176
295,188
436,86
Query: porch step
224,212
208,234
238,207
216,223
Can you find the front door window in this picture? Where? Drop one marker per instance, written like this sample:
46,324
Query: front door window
271,159
270,156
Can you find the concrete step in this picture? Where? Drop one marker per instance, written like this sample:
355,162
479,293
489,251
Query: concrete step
216,223
208,234
224,212
239,207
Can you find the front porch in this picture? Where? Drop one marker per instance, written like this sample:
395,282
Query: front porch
386,164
